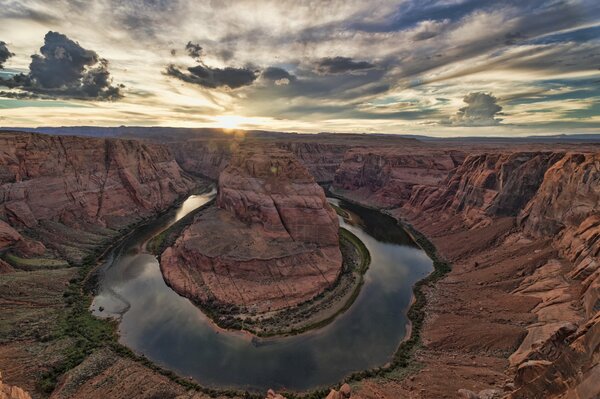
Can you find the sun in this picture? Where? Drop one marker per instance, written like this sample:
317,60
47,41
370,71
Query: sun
229,121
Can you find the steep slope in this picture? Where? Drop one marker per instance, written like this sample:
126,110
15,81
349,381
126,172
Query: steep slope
522,229
385,177
210,157
72,194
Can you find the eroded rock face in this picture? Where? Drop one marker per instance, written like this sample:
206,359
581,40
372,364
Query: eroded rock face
271,242
543,265
75,193
489,185
210,157
386,177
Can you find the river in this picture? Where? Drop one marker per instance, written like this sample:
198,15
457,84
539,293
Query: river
169,330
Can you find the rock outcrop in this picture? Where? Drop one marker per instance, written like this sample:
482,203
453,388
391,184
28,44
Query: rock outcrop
523,230
271,242
73,194
487,186
387,177
12,392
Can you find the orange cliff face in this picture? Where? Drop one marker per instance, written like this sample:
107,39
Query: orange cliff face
74,194
271,242
522,229
12,391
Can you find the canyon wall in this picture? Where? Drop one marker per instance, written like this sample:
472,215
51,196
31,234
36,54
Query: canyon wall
210,157
271,242
522,228
67,195
386,177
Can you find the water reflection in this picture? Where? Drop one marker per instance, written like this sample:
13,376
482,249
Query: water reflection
171,331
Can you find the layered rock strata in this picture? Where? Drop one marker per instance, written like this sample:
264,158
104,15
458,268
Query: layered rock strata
386,177
271,242
522,229
72,194
210,157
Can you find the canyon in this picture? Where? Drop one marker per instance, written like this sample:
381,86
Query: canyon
517,316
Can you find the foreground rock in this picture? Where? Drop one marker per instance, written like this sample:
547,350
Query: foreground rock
75,194
271,242
12,392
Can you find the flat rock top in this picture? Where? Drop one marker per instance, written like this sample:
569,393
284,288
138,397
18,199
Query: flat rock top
217,233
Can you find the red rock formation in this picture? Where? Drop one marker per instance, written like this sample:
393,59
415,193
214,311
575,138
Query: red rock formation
549,259
8,235
272,243
486,186
386,177
74,193
209,157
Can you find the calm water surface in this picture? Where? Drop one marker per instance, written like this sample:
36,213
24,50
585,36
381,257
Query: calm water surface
171,331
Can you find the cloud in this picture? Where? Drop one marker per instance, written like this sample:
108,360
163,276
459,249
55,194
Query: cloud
481,110
210,77
4,54
278,75
337,65
194,50
65,69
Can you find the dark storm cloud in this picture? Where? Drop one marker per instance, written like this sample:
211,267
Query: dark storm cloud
277,74
212,78
481,110
65,69
209,77
334,65
194,50
5,54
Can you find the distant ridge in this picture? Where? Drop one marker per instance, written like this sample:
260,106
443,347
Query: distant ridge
177,133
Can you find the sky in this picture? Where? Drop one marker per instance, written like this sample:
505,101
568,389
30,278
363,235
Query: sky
442,68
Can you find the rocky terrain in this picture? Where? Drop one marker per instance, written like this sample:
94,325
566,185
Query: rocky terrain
62,200
66,196
209,157
271,242
518,316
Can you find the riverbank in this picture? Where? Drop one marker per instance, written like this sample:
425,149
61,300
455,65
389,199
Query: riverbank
78,324
416,313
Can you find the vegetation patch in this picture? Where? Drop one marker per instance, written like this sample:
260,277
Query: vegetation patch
30,264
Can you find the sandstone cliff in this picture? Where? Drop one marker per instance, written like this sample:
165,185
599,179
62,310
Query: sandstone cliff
73,194
210,157
386,177
11,391
271,243
523,231
487,186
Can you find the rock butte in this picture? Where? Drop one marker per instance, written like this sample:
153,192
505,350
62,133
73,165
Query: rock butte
272,241
518,316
